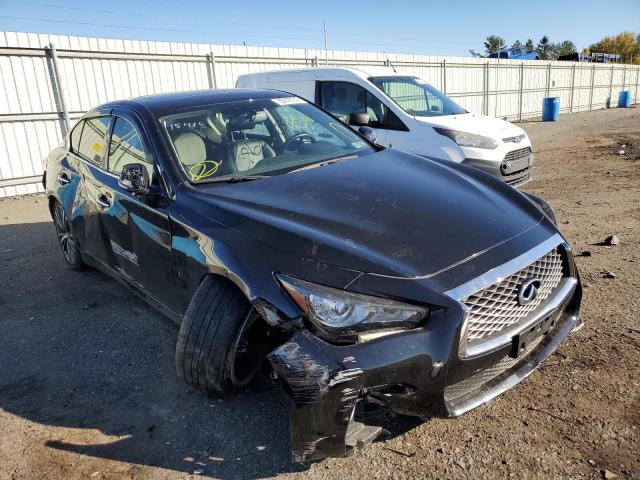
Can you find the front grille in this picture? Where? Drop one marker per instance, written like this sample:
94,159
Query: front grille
479,379
495,309
518,178
517,154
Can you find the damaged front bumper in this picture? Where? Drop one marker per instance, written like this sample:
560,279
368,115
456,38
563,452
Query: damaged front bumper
408,373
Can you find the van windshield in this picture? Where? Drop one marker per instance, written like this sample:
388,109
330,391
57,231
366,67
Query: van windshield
249,139
417,97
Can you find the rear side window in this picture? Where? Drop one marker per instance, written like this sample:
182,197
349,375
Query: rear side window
75,136
126,147
93,139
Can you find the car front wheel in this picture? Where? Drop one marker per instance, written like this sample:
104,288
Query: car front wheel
219,343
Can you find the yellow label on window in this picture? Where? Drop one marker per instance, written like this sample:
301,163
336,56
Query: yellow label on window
97,147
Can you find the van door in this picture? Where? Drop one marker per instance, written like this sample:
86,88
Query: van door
341,99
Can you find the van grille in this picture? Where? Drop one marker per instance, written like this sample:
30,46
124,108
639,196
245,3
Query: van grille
517,154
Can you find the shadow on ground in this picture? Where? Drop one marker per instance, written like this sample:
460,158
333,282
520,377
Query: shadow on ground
79,351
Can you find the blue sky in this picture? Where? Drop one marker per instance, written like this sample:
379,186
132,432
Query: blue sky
427,26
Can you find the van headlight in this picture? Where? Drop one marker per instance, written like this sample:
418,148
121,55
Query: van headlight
339,311
465,139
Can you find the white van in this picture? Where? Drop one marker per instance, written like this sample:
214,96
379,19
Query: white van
406,113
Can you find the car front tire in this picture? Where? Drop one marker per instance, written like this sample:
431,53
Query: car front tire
212,353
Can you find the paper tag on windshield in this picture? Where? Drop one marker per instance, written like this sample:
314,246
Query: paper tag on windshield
288,101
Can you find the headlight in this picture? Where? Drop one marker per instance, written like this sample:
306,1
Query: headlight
339,311
465,139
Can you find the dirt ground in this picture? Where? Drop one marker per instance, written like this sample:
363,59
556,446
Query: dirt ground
88,388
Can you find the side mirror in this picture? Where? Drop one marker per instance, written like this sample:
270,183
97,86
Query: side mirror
359,119
368,133
134,178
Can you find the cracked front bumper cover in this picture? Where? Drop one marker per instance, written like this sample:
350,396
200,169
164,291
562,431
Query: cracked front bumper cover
406,373
324,382
322,394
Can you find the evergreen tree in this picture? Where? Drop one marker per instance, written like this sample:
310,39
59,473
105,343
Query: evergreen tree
545,49
529,45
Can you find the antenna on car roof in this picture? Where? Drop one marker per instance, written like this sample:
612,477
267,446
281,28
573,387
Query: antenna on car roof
389,64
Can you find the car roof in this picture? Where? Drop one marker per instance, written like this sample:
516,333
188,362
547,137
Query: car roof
177,100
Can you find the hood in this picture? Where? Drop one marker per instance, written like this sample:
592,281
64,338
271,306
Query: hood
389,213
474,123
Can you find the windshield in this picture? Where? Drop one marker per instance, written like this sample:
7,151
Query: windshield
417,97
250,138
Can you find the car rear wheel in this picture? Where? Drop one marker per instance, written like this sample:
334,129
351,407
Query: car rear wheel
218,345
66,238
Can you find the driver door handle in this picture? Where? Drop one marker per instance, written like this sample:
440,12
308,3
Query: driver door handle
63,179
103,201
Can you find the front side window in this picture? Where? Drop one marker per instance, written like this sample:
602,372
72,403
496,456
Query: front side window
342,99
93,139
256,137
126,147
417,97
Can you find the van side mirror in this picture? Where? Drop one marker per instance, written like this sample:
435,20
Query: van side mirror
368,133
359,119
134,178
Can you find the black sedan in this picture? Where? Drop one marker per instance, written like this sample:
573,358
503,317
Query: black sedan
372,281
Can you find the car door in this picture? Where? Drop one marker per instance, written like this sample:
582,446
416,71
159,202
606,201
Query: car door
88,158
341,99
68,183
137,226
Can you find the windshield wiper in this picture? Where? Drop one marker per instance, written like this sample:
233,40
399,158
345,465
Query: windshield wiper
244,178
325,162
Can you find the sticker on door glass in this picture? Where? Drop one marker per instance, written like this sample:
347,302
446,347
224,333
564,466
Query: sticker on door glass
284,101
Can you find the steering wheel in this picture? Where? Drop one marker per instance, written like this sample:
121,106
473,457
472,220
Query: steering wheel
298,137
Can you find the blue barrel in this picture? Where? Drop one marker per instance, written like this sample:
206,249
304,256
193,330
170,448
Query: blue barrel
551,109
624,99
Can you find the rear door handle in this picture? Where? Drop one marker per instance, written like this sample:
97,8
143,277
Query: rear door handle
63,179
103,201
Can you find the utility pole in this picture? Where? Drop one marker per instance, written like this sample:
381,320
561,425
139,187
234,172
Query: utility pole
326,52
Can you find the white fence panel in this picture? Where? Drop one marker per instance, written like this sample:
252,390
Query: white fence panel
91,71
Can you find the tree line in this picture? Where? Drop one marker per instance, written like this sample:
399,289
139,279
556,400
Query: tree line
625,44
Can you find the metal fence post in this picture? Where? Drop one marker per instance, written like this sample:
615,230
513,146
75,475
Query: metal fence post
573,84
209,73
58,90
593,76
548,88
521,91
444,77
611,87
485,89
212,62
637,81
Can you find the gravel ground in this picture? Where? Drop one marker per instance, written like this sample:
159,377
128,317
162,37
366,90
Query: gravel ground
88,389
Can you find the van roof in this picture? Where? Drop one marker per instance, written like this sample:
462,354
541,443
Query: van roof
360,71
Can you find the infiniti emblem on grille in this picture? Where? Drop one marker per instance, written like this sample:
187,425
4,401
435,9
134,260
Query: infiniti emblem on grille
528,291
